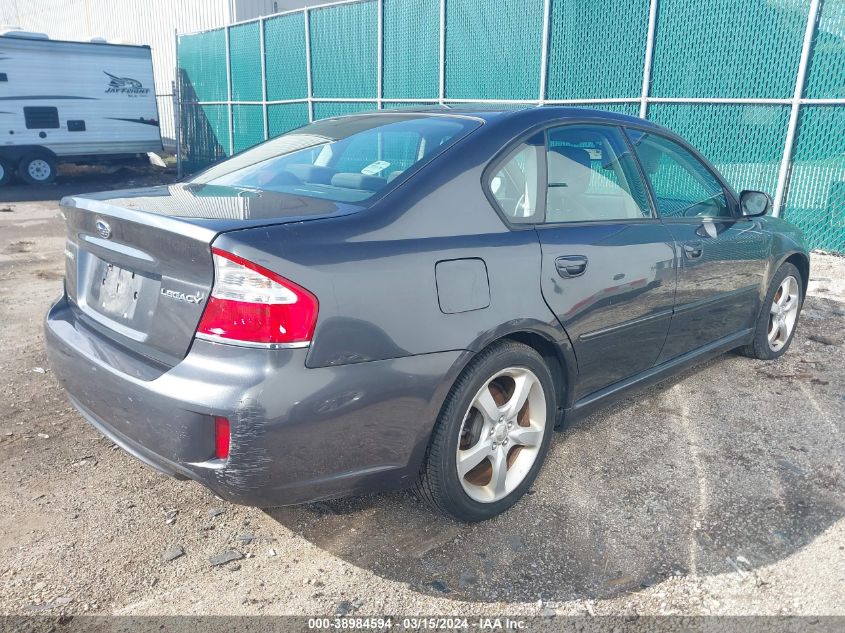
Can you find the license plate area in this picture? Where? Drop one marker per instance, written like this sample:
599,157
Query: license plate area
118,289
121,295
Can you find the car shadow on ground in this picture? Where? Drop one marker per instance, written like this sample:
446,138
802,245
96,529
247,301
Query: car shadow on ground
707,473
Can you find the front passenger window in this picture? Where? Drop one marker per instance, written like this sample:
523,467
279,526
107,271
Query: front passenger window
683,186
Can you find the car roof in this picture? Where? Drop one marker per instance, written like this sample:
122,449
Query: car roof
537,114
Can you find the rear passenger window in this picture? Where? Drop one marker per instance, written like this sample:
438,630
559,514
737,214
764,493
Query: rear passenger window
40,118
515,185
592,176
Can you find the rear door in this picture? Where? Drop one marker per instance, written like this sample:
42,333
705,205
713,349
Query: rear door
607,260
722,256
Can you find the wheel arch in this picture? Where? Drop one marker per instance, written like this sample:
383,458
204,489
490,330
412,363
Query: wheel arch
555,360
551,343
15,153
802,262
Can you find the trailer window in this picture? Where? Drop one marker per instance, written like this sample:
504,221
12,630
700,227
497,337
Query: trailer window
41,118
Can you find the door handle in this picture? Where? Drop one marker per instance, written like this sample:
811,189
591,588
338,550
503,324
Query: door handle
693,250
570,266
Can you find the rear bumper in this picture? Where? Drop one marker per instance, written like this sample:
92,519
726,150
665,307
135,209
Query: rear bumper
297,434
138,451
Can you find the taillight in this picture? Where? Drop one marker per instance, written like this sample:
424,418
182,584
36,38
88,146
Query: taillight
251,305
221,438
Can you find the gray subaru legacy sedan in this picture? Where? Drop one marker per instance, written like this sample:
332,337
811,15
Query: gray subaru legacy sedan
410,299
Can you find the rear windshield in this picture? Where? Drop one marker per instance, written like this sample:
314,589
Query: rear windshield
345,160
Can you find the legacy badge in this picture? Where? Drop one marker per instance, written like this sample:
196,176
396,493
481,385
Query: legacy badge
181,296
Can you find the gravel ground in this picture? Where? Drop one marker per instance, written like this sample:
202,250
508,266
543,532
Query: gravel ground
719,492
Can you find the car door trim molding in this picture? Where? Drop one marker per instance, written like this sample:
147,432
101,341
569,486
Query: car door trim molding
613,329
695,305
560,225
658,372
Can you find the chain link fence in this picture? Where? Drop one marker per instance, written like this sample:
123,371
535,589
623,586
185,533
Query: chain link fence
757,85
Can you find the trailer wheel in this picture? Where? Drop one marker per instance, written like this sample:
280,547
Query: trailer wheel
6,172
37,168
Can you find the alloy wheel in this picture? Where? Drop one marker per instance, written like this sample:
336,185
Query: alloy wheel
783,313
501,434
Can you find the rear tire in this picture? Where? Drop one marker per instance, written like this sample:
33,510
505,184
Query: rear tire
37,168
778,318
6,172
492,435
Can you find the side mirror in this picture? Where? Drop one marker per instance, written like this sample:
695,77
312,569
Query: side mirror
754,203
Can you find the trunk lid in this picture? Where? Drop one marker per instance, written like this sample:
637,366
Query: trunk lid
138,262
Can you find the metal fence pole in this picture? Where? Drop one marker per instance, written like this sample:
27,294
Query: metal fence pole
380,45
786,163
229,108
544,61
442,88
307,22
177,128
177,106
649,55
261,23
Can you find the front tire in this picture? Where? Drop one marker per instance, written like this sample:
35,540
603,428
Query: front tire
778,317
492,436
37,168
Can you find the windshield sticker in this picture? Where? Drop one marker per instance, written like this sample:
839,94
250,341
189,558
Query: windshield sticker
373,168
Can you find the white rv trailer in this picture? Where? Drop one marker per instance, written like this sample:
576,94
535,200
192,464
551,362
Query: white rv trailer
72,102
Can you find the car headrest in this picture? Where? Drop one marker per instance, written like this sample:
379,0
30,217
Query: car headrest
358,181
312,173
569,168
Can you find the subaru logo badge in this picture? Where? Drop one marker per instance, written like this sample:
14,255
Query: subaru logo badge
103,229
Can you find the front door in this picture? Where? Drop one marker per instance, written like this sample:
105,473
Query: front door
607,260
721,256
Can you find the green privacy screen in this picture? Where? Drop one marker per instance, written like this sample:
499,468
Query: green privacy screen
723,74
728,48
411,49
597,49
493,49
284,46
815,198
344,51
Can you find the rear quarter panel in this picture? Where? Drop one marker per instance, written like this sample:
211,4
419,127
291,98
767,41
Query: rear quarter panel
374,272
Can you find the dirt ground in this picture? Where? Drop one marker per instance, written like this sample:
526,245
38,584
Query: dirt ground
719,492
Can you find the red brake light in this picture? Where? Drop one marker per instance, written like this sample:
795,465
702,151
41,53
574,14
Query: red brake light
252,305
221,438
